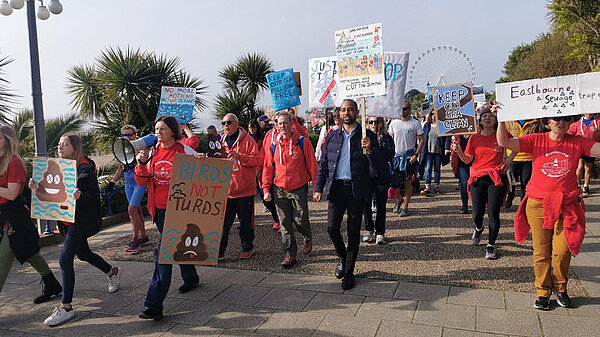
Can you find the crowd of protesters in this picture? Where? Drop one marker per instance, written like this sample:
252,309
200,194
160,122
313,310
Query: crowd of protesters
355,170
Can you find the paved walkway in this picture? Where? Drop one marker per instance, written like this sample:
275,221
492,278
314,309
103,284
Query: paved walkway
251,303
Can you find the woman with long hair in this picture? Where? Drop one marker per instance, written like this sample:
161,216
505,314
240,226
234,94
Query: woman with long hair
155,172
552,208
18,236
88,221
488,182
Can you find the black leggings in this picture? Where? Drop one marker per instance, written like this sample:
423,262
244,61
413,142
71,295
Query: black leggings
76,244
483,191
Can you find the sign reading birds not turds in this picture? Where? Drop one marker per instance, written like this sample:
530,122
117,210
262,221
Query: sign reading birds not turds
195,210
56,181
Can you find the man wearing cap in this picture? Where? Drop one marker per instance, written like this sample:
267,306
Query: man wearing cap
265,123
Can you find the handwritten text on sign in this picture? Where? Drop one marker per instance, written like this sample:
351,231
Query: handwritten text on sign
177,102
390,104
454,108
195,210
284,92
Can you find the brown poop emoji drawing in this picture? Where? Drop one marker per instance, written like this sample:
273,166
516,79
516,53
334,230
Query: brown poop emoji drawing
191,247
52,187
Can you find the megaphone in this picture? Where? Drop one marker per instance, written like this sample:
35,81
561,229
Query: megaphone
125,150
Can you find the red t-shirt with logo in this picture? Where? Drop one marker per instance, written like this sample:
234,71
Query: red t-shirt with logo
485,149
161,172
555,162
15,173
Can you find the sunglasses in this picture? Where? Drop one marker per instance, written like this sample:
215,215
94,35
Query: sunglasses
128,134
226,123
561,119
372,122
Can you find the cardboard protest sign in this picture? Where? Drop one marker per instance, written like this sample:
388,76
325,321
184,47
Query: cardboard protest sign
215,148
454,109
177,102
322,83
195,210
478,93
56,181
298,80
359,52
390,105
547,97
284,92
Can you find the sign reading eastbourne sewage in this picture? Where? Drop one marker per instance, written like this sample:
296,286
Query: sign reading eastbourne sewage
454,109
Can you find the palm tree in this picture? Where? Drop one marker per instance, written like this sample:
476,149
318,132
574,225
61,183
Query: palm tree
7,97
243,82
124,87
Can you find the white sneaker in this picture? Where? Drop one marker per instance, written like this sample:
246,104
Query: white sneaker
368,236
114,282
59,315
380,240
374,208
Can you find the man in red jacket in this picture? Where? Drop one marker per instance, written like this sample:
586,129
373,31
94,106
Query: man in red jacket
243,152
293,158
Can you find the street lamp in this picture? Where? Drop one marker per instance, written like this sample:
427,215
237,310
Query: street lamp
43,13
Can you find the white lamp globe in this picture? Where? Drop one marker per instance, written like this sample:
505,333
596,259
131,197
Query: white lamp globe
55,7
17,4
43,13
5,8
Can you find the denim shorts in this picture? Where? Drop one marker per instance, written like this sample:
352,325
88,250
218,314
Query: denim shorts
135,194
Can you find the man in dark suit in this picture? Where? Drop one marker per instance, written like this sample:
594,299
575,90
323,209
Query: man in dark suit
344,173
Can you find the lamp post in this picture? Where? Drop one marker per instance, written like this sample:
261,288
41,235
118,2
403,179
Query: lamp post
43,13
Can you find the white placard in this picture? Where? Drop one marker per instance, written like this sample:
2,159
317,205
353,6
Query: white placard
390,104
322,83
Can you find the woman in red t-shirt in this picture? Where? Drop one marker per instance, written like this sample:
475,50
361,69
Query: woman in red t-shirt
18,237
552,207
487,183
156,174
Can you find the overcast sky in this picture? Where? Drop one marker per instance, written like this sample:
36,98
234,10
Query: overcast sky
208,35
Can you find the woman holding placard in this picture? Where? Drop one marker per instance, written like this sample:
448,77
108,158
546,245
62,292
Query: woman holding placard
488,182
155,172
552,207
88,221
18,236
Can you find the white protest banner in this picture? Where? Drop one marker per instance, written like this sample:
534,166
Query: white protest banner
547,97
322,83
390,104
359,52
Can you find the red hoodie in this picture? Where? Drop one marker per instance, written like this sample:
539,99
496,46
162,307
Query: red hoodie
293,166
243,182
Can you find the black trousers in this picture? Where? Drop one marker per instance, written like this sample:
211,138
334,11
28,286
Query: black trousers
379,196
341,200
244,209
483,192
522,171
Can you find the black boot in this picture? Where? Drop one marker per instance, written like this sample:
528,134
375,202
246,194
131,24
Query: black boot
50,288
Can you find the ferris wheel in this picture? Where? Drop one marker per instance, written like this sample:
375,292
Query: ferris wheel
438,66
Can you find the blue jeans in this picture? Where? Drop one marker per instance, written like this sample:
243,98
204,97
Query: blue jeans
432,161
463,176
161,279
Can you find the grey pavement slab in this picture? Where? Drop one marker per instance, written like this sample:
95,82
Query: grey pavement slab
557,326
401,329
194,312
244,277
388,309
92,324
281,280
146,328
286,299
445,315
476,297
322,283
464,333
334,325
370,287
335,304
240,317
422,291
585,306
136,307
285,323
185,330
204,291
209,274
507,322
241,295
110,303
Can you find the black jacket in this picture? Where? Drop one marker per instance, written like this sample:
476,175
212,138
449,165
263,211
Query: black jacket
88,212
359,163
22,233
381,171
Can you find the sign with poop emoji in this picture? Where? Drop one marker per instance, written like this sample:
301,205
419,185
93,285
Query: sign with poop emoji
56,181
195,210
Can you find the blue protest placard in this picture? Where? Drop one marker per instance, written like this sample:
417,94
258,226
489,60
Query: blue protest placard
284,92
177,102
454,109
